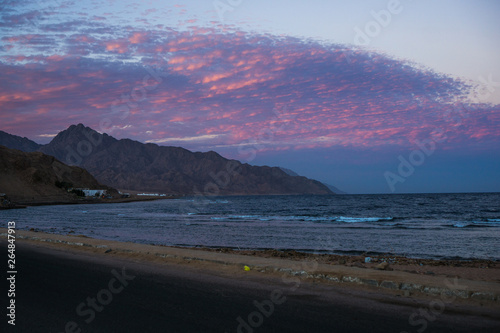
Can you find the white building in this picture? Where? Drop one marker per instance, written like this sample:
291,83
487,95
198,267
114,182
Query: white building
93,193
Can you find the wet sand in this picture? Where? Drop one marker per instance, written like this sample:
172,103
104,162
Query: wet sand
189,290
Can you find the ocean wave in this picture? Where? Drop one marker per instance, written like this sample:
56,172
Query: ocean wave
302,218
488,223
218,201
348,219
244,216
394,225
279,218
473,224
345,219
400,226
218,218
314,218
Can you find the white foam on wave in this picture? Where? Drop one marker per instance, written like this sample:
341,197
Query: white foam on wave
218,201
344,219
489,221
244,216
348,219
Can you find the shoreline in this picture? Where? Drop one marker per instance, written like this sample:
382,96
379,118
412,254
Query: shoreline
475,282
90,201
349,258
374,257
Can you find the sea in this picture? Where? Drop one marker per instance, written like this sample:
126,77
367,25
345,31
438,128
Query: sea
438,226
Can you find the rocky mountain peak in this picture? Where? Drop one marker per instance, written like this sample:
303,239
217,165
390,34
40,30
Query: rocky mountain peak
75,144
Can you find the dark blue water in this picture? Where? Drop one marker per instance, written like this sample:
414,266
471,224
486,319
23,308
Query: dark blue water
416,225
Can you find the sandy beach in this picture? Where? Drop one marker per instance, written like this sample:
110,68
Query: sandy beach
194,290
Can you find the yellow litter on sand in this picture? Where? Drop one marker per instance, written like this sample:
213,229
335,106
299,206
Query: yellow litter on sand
246,268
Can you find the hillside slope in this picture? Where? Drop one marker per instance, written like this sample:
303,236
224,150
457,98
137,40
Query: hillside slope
31,177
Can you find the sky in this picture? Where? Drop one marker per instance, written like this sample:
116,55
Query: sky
369,96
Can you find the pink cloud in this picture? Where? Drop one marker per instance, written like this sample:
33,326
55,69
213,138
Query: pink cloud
227,85
138,38
117,46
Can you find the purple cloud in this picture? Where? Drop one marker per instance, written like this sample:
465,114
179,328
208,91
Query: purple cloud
203,88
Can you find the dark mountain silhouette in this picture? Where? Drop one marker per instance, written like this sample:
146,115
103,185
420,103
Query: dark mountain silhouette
331,187
290,172
37,178
334,189
131,165
17,142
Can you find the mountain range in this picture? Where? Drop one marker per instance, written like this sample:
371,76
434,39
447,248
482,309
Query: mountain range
130,165
17,142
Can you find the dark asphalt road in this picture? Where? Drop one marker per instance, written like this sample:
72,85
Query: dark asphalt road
55,292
